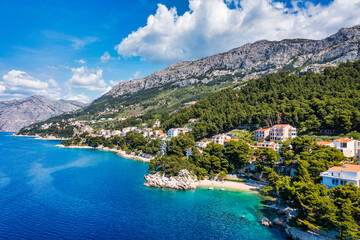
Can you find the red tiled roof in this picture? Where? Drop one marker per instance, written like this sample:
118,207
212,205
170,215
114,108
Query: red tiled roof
262,130
281,125
344,140
323,143
346,168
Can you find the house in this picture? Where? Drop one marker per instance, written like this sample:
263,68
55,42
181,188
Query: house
281,132
341,175
326,143
157,124
87,128
262,133
116,133
229,140
193,120
201,145
105,133
173,132
185,130
220,139
348,146
261,145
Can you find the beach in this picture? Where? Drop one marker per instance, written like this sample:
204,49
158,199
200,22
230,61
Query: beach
119,152
230,185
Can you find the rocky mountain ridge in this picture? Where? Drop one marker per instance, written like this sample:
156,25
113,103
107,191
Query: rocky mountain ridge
254,60
15,114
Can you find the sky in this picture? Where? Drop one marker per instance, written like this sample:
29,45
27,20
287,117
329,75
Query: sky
78,50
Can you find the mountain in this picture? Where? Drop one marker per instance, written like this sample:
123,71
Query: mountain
186,82
15,114
254,60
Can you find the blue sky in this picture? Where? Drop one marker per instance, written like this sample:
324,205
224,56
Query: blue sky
79,49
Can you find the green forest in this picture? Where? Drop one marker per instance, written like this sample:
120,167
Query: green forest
310,102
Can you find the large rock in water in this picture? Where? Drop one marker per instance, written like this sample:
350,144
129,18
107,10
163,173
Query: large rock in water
184,180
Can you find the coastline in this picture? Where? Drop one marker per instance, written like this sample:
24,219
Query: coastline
231,186
119,152
40,138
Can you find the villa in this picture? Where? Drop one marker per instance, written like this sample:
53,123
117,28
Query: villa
349,147
341,175
262,133
281,132
220,139
173,132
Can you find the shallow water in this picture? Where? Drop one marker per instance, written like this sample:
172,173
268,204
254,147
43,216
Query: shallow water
54,193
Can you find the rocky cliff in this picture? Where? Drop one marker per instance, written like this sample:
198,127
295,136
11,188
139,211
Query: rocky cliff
184,180
15,114
253,60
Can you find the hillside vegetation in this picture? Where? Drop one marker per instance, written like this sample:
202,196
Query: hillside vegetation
310,102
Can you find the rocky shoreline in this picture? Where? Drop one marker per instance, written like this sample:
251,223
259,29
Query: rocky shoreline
185,180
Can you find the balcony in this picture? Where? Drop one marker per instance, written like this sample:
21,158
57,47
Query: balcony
336,176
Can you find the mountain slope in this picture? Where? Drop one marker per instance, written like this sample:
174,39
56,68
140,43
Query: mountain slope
15,114
252,60
249,61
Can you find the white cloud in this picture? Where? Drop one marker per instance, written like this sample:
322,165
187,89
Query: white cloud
82,61
137,74
18,84
77,97
113,83
105,57
88,79
211,27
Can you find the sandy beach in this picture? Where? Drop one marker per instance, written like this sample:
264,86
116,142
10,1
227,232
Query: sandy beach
41,138
229,185
120,152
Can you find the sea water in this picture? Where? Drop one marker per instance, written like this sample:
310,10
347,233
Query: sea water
48,192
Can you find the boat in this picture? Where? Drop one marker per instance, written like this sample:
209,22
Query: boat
222,189
211,188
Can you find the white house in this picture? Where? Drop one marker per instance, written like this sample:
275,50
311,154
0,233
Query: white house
201,145
173,132
281,132
220,139
341,175
348,146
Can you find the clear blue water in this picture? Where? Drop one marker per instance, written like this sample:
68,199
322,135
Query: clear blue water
52,193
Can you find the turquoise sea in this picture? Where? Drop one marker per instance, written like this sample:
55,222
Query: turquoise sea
53,193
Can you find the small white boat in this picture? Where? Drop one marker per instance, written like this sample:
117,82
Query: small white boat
222,189
211,188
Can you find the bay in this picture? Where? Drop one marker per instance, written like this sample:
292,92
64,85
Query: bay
54,193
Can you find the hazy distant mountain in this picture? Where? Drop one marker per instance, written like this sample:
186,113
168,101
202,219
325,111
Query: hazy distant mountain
15,114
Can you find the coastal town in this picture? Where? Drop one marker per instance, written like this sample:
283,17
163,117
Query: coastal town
264,138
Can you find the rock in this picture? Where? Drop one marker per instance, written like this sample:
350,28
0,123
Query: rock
184,180
278,222
297,234
266,222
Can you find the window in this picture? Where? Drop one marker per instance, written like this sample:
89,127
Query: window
341,182
343,145
332,174
333,182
